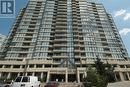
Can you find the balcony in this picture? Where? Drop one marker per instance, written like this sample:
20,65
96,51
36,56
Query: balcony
122,69
22,55
62,35
11,70
62,11
60,45
27,39
63,16
61,19
59,56
64,27
20,52
56,51
62,39
61,23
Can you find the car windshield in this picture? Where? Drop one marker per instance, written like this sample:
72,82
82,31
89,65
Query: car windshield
25,79
18,79
22,79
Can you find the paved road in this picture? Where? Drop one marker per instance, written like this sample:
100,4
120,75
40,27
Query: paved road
120,84
117,84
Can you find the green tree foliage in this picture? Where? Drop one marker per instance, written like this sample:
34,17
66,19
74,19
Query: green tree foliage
101,75
106,70
100,67
94,79
110,73
102,72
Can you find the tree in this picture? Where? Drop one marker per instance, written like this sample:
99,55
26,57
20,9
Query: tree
91,76
110,73
100,67
94,79
101,75
101,70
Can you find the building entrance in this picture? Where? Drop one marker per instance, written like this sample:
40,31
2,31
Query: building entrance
57,77
72,78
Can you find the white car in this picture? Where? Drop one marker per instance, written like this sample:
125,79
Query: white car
26,81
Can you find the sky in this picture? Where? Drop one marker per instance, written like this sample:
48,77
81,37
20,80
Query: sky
119,9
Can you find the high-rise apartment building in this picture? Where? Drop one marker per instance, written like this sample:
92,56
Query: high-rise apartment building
58,39
2,39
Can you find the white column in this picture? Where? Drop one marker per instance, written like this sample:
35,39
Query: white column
121,76
35,66
0,74
33,73
8,76
26,74
116,77
66,77
48,76
18,74
125,66
20,66
11,66
78,77
3,66
128,76
27,66
85,74
43,66
41,75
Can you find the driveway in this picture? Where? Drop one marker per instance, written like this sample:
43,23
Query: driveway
120,84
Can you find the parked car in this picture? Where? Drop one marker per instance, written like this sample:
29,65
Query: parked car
26,81
52,84
7,85
4,85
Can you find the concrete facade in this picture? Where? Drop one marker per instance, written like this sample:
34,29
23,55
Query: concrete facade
10,69
2,39
58,39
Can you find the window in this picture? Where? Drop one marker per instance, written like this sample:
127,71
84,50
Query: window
7,66
25,79
1,66
16,66
31,66
22,55
31,26
18,79
39,66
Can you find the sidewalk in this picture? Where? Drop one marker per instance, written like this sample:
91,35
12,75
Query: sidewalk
120,84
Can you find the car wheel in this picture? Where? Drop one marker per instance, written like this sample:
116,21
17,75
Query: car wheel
6,86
